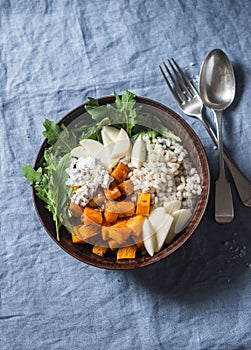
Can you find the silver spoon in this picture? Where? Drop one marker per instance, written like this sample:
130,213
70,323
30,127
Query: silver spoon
217,90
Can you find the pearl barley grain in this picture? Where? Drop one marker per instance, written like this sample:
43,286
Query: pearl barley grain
167,173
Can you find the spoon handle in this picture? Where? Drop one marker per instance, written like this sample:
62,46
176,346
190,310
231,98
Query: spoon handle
224,210
242,184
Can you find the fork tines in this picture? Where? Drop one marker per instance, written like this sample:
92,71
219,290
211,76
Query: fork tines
182,89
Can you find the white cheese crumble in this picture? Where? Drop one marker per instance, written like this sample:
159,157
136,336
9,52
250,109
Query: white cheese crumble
89,174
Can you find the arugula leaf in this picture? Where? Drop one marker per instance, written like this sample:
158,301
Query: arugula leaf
59,192
126,114
147,122
97,112
31,174
128,99
52,131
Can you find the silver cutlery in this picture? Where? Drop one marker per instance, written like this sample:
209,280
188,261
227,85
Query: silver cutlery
217,90
191,104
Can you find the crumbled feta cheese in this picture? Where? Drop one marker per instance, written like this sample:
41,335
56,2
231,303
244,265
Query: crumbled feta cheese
88,174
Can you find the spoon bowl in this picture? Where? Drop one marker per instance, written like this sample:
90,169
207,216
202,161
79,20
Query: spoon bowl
217,81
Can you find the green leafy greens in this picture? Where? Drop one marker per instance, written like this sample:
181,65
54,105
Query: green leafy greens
49,179
125,114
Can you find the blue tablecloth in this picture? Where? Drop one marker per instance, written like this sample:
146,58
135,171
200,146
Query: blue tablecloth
53,55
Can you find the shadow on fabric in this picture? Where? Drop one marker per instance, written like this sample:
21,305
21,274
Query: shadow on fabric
214,258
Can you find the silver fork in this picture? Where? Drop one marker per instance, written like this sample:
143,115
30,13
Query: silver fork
191,104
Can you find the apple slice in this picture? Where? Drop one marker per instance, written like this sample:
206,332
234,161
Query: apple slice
92,146
79,151
111,132
105,157
172,206
161,222
149,237
105,138
181,218
138,155
122,145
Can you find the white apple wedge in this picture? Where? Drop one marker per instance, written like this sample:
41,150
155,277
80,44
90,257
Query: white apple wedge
181,218
105,157
149,237
92,146
138,155
105,138
172,206
111,132
79,151
161,222
122,145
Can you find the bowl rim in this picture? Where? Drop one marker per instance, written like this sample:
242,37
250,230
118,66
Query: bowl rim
132,264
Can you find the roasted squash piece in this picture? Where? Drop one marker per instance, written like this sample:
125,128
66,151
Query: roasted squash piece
93,204
110,213
143,204
100,251
135,223
88,231
125,208
120,172
76,239
120,209
105,231
112,192
126,187
119,231
91,216
127,252
113,244
76,209
75,236
99,197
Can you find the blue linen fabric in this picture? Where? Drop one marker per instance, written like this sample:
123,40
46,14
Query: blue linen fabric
54,54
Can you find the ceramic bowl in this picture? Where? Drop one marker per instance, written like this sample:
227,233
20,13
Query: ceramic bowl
198,157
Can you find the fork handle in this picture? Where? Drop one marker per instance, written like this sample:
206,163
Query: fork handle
242,184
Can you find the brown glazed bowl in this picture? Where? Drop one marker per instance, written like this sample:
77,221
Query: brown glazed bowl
196,153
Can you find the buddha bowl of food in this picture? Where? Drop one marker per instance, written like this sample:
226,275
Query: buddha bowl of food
120,182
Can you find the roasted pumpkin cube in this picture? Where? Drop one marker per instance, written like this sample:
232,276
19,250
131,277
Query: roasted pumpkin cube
76,209
126,187
91,216
125,208
120,172
98,250
76,239
105,232
93,204
143,204
75,235
127,252
135,223
119,231
99,197
88,231
112,192
110,214
113,244
119,209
